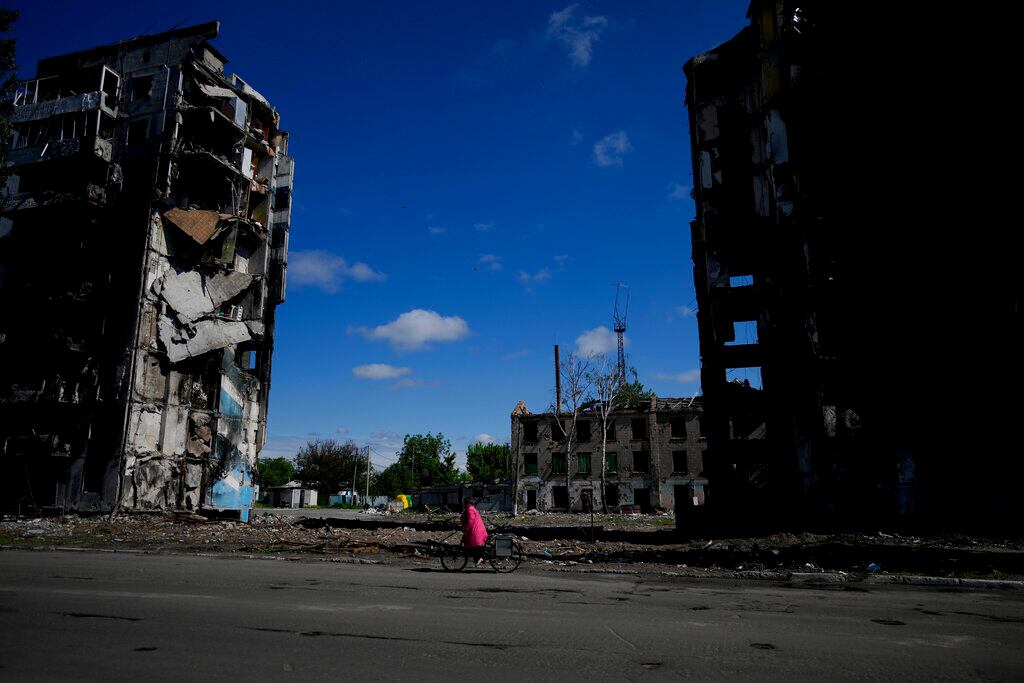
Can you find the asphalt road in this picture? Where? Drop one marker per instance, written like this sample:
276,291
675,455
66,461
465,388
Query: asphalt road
116,616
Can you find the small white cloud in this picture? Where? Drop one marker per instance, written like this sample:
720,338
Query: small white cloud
436,229
578,33
598,342
516,354
560,261
577,138
343,430
380,371
489,262
611,149
416,329
678,191
483,438
685,311
484,227
409,382
327,271
528,280
688,377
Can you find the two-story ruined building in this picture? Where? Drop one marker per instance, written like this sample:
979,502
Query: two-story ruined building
143,244
654,455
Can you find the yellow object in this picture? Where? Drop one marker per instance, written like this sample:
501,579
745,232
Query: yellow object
405,500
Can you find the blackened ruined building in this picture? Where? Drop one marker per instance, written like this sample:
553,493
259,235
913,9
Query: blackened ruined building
142,256
654,458
835,252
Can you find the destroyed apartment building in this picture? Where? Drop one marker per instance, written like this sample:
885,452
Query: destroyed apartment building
811,135
142,256
653,458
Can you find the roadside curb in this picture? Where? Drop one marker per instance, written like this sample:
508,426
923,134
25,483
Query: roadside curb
911,580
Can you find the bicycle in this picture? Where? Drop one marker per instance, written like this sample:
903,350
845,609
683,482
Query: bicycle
501,551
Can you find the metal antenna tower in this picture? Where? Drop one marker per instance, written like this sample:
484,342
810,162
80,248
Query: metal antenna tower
620,331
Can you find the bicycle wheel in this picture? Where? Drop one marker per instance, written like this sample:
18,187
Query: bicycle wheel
505,563
453,559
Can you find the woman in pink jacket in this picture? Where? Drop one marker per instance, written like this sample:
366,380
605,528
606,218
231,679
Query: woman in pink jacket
474,533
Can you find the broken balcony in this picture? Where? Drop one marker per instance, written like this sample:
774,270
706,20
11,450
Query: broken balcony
91,89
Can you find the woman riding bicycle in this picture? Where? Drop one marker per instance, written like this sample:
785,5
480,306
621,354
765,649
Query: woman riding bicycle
474,533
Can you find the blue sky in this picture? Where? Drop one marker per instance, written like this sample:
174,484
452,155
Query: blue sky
472,180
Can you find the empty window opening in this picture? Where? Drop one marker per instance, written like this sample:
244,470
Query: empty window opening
678,427
530,432
141,87
531,499
749,377
741,280
639,427
641,461
583,431
558,465
557,430
530,463
611,462
610,431
583,463
679,462
743,332
137,131
560,497
109,86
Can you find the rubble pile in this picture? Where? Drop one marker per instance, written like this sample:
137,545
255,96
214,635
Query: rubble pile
647,545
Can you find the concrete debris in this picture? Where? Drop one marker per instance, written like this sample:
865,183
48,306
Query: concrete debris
198,224
209,335
193,294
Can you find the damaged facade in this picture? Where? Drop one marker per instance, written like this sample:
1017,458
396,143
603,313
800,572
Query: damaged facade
819,179
654,458
143,256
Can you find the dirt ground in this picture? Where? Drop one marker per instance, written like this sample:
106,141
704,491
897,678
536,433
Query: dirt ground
643,543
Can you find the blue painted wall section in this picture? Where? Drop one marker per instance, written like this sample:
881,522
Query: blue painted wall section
231,474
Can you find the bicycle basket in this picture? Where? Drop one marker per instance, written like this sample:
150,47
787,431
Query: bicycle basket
503,546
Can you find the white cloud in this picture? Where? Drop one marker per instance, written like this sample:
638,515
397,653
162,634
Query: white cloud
490,262
343,430
436,229
577,137
379,371
598,341
560,260
530,279
688,377
327,271
678,191
483,438
484,227
578,33
685,311
522,353
416,329
410,382
611,149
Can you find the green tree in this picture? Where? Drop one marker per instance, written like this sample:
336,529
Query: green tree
634,393
8,83
274,472
425,460
487,462
328,465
